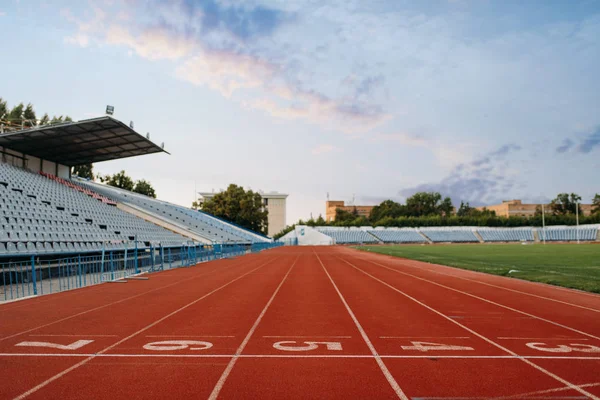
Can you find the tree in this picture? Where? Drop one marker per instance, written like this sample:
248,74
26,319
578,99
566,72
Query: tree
45,119
3,109
565,204
244,208
29,118
596,204
387,208
56,120
195,205
15,116
119,180
428,203
144,187
85,171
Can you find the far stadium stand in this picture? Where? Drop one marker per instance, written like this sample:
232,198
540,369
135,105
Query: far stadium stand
394,235
506,234
568,233
450,234
348,235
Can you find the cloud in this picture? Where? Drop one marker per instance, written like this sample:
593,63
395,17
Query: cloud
402,138
482,181
590,142
243,22
324,149
194,36
566,145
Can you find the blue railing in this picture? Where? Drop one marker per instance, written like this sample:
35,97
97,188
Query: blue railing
31,276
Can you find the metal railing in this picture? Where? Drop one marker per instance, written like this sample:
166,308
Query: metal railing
32,276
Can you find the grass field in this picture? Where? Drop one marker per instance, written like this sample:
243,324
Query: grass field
569,265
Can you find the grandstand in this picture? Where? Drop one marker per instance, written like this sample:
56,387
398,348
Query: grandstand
395,235
367,234
212,229
59,232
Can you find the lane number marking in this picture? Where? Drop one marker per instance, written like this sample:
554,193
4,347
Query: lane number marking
290,345
429,346
73,346
561,348
178,345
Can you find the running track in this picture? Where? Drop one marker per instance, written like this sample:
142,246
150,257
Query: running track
302,322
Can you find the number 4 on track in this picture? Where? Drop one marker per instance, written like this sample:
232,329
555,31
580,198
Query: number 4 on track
73,346
428,346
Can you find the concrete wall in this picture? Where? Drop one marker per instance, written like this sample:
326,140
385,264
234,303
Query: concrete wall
277,213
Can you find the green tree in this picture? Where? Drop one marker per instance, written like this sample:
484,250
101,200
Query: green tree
68,119
342,216
120,180
565,204
596,204
244,208
15,116
29,118
3,109
284,231
144,187
387,208
45,120
428,203
85,171
320,221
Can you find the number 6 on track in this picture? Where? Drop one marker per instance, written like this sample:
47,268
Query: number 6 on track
287,346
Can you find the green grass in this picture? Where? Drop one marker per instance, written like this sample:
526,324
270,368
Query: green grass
569,265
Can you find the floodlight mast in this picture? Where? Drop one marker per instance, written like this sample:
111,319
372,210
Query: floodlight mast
577,218
544,223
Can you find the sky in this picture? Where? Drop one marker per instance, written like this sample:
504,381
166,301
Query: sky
480,100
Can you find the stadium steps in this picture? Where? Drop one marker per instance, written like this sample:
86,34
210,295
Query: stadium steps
379,241
478,236
158,220
425,237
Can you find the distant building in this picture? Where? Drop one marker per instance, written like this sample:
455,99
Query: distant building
274,202
332,205
509,208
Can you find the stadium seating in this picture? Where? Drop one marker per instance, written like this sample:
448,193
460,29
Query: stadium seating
454,235
41,214
398,235
506,234
348,236
564,233
202,224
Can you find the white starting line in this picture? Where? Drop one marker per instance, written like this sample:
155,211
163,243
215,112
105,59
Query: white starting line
389,356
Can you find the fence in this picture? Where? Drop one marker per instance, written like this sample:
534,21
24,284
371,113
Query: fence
32,276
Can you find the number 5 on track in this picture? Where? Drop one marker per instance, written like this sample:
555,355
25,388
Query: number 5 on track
291,346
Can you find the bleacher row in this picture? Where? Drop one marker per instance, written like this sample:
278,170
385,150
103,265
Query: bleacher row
44,214
198,222
458,235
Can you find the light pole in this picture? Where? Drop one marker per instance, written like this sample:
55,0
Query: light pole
577,219
543,223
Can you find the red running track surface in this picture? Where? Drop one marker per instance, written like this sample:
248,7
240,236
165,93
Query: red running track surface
304,322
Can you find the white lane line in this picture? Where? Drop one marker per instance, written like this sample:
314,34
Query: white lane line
80,335
538,392
310,337
386,372
223,378
370,356
538,338
486,300
510,290
191,336
116,302
544,371
85,361
424,337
